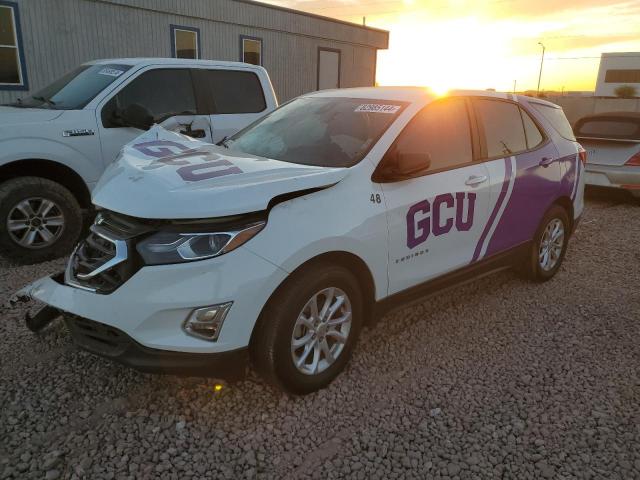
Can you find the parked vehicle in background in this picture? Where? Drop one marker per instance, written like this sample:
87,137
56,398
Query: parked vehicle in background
55,144
280,246
612,141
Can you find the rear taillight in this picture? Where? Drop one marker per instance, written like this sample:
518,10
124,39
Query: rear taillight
582,153
634,161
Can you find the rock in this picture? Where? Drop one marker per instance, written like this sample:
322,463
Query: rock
453,469
52,475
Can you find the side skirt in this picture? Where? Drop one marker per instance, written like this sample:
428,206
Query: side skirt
419,293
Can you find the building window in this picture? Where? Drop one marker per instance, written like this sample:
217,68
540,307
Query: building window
251,50
185,42
12,67
622,76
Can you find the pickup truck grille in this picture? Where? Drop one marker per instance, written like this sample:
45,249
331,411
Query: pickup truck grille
101,262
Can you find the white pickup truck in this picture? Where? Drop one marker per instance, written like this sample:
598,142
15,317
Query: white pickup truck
55,144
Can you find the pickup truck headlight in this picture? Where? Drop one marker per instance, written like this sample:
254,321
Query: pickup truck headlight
166,247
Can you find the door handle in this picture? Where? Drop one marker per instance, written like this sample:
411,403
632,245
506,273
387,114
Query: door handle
474,180
546,161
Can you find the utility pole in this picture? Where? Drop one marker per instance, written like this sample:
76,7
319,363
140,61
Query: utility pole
541,63
514,86
364,21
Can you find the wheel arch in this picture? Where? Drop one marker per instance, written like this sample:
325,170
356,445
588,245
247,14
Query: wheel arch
349,260
566,203
51,170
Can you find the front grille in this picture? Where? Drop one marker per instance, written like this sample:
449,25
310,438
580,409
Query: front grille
97,337
102,261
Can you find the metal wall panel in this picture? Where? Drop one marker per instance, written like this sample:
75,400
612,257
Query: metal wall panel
58,35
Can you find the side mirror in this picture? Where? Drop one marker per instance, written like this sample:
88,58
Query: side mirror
411,164
399,166
136,116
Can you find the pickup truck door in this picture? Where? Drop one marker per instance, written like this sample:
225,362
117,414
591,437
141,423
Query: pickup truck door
437,217
167,93
233,98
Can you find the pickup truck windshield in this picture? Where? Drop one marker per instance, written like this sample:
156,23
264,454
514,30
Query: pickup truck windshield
75,89
320,131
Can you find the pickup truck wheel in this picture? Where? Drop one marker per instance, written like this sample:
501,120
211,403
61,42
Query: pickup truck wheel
549,246
39,220
307,332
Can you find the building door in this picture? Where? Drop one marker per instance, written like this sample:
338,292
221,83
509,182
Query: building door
328,68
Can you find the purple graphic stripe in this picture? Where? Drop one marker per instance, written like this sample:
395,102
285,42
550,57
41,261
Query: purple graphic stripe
496,209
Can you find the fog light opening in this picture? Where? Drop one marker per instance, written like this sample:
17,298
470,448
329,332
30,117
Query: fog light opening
206,322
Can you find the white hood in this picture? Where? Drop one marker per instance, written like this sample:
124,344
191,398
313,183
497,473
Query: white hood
11,116
165,175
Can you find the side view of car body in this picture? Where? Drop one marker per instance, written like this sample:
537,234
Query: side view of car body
281,244
55,144
612,141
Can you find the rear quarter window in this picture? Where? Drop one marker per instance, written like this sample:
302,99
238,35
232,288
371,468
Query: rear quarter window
556,117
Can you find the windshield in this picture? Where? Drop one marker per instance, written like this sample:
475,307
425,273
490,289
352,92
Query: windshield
75,89
320,131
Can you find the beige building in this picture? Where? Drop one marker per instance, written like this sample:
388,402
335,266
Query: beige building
41,40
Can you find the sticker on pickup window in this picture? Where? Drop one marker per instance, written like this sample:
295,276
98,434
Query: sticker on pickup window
111,72
377,108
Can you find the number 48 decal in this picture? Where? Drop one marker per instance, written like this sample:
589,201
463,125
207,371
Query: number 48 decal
375,198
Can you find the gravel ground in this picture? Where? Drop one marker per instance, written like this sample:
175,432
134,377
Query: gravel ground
497,379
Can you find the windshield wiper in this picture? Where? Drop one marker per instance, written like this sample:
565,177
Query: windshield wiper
48,101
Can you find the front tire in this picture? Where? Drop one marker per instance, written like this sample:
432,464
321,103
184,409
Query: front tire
549,246
306,334
39,220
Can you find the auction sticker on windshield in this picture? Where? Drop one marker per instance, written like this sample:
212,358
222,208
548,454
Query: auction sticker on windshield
377,108
111,72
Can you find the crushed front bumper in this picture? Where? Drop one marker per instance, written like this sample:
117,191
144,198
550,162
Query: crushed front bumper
152,305
112,343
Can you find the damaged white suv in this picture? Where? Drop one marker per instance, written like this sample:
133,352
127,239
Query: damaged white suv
279,244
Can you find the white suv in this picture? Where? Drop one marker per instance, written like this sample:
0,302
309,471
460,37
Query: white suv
283,242
55,144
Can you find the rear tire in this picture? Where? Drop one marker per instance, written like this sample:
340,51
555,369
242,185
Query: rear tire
549,246
287,328
39,220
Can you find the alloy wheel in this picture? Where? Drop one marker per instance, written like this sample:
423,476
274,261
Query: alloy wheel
321,331
551,245
35,222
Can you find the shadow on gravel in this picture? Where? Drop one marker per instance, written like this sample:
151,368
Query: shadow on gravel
613,196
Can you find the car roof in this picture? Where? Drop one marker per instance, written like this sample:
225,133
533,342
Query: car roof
416,94
170,61
400,94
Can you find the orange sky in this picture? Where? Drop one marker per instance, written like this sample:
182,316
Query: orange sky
489,44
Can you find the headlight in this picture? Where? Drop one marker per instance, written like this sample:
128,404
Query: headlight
174,247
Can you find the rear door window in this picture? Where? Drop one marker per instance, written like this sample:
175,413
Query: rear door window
556,117
502,126
442,130
229,91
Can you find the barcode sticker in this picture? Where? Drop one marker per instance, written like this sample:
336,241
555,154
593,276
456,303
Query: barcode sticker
111,72
377,108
